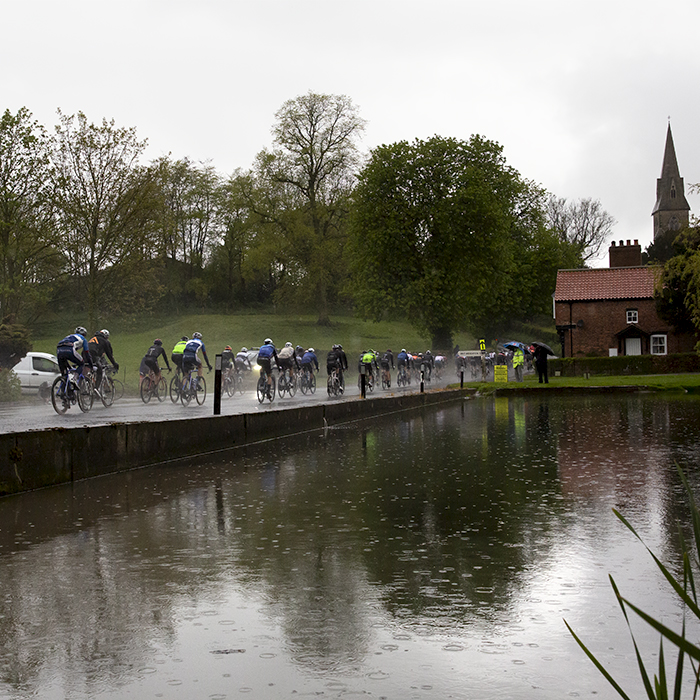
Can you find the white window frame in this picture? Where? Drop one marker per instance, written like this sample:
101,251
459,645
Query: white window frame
632,316
665,343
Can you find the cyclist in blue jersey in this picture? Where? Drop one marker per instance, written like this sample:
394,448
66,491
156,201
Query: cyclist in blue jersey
73,350
266,354
190,357
309,360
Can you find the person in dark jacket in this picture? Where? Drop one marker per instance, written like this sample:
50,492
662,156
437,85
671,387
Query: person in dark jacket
541,364
99,346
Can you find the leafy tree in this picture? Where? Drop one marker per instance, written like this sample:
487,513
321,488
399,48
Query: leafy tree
447,233
677,293
584,224
301,190
29,260
107,208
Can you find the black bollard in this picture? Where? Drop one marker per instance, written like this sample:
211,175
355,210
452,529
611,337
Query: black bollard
461,379
217,385
363,382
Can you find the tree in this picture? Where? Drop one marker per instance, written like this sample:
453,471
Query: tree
583,224
301,191
445,232
29,260
677,292
107,207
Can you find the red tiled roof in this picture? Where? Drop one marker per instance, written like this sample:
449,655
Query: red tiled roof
605,283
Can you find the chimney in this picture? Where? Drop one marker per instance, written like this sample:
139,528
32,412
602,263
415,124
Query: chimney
622,255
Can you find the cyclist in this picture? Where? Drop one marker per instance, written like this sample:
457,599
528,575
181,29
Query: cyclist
309,360
387,360
179,348
428,364
402,361
299,352
227,358
266,354
73,350
243,361
337,360
150,359
368,360
99,346
287,359
189,356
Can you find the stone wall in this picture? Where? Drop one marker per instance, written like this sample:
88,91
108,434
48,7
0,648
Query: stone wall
35,459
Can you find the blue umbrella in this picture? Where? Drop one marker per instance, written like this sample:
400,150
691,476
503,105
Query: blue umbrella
515,345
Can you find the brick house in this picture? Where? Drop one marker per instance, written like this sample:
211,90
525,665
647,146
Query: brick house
611,311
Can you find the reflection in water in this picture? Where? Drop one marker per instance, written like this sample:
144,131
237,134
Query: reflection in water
428,555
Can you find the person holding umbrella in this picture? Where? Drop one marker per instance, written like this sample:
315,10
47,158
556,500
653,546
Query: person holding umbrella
541,352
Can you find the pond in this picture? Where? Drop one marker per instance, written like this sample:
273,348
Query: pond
428,554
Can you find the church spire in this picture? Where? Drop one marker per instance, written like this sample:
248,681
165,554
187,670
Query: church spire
671,209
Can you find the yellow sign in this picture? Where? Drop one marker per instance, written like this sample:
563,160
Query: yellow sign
500,374
482,345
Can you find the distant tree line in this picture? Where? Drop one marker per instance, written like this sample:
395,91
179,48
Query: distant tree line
442,230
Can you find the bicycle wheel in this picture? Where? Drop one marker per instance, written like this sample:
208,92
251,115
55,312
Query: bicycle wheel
107,391
292,386
118,388
272,392
145,390
312,383
329,385
239,384
304,383
201,390
281,384
57,401
175,387
261,389
186,391
229,386
161,389
85,394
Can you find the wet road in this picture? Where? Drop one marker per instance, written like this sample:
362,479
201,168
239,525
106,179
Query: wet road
33,414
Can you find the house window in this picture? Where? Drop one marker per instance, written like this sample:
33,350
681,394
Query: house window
658,344
632,316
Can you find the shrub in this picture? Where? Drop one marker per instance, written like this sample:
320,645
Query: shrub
10,387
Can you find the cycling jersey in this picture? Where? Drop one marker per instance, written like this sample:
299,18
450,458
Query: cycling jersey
310,358
179,347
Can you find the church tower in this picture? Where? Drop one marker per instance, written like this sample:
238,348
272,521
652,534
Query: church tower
671,211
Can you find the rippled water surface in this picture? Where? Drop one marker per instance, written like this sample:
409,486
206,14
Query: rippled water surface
428,554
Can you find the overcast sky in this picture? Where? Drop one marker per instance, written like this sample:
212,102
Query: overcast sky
577,93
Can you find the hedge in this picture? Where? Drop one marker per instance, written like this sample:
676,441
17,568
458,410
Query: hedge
626,364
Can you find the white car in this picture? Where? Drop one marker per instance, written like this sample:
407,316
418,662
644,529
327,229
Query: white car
36,370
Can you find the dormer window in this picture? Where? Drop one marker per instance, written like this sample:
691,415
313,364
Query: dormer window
632,316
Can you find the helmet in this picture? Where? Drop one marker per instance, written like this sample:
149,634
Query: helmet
403,349
244,349
157,341
105,332
184,337
388,349
197,335
80,331
287,345
268,341
298,347
228,348
335,347
340,347
311,350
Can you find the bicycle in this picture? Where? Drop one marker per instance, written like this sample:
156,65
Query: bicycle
150,386
403,378
176,385
369,381
308,381
193,387
335,384
106,391
386,378
286,383
263,390
71,388
228,384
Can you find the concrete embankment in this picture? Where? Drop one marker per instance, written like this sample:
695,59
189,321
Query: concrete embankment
35,459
